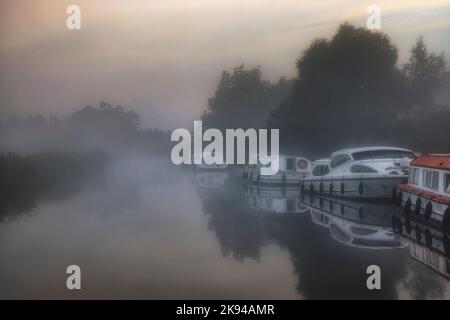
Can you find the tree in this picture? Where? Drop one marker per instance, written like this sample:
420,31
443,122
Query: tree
349,92
243,99
425,73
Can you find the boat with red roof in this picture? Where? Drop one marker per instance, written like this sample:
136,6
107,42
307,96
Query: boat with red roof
427,192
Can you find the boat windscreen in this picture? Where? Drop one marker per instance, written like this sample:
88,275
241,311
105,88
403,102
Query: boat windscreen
382,154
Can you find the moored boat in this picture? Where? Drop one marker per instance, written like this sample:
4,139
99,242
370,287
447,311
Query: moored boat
208,179
198,162
427,192
291,170
368,172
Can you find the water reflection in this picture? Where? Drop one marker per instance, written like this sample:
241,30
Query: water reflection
274,199
208,179
356,224
149,230
333,244
238,231
428,243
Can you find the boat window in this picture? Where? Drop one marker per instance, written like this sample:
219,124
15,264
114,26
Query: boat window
290,164
362,231
362,169
339,234
431,258
382,154
290,205
412,173
339,159
414,176
447,183
320,170
431,179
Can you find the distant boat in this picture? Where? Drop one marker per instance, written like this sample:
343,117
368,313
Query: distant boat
368,172
209,179
291,170
427,192
198,161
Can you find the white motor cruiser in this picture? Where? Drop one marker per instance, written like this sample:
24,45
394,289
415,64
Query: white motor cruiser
369,172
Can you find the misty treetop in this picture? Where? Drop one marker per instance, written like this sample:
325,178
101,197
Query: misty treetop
107,128
425,72
350,91
243,99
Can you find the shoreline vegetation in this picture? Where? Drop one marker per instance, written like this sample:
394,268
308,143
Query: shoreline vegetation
26,180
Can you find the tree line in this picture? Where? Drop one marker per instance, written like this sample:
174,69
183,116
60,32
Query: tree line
349,91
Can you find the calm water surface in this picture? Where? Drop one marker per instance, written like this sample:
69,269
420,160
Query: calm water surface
149,230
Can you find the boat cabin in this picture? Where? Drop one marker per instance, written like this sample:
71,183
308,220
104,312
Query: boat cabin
390,160
431,173
287,164
320,167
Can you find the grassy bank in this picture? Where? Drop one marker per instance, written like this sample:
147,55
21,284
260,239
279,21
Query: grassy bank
24,180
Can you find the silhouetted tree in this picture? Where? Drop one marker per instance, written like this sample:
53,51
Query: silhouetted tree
425,73
350,92
243,99
107,128
426,123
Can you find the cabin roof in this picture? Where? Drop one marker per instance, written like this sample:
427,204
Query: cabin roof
322,161
360,149
436,161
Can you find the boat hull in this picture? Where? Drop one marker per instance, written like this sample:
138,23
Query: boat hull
211,166
422,204
290,178
361,188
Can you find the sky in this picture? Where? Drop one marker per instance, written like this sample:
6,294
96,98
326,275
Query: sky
163,58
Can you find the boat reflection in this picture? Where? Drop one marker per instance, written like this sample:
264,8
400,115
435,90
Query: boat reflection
275,199
248,224
428,242
356,224
208,179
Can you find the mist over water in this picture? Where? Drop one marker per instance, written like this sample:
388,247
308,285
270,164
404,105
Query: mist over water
148,229
94,186
142,232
